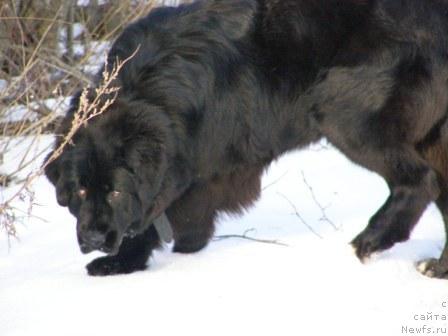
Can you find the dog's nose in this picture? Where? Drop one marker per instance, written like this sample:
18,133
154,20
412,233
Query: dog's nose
94,239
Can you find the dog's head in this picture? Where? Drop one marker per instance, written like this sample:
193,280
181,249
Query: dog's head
112,178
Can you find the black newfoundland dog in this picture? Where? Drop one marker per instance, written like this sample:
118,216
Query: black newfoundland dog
218,89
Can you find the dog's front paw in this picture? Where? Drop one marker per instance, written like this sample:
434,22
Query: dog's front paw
432,268
371,241
111,265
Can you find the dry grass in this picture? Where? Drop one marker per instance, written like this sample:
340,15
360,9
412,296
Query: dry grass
46,70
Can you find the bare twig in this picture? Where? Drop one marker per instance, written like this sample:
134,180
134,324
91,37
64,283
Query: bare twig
33,70
323,209
296,212
86,111
275,181
245,236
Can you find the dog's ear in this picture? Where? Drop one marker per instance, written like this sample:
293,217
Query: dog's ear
52,170
234,17
62,193
53,173
63,173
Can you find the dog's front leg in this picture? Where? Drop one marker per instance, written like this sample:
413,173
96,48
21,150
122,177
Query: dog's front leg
131,257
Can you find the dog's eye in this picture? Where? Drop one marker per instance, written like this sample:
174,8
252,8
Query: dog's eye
113,195
82,193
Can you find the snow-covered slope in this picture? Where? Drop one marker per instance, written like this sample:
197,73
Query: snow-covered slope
312,286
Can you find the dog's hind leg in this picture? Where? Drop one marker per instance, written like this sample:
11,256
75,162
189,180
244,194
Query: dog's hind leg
437,155
132,255
193,215
413,185
375,114
438,268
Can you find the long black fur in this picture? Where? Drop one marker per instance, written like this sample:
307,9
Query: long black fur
220,88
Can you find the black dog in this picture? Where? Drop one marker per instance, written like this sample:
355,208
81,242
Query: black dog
218,89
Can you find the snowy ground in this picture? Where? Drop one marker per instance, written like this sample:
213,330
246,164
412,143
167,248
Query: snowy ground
313,286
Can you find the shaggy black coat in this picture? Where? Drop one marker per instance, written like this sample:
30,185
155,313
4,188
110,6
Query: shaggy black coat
220,88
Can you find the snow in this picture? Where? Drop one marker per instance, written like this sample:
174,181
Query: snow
3,84
95,60
21,112
58,105
17,113
87,2
312,286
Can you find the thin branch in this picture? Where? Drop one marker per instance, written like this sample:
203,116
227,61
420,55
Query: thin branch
275,181
296,212
89,110
323,209
86,111
245,236
34,73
